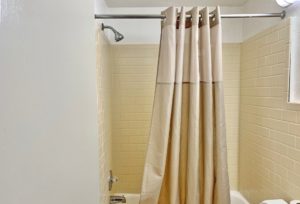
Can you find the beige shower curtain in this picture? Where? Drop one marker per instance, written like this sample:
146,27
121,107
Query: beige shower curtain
186,160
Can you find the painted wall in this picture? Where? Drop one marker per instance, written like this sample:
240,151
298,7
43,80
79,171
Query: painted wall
104,76
269,126
234,30
48,106
294,96
254,26
148,31
133,91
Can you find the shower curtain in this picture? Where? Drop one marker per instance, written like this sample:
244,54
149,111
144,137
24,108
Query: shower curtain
186,161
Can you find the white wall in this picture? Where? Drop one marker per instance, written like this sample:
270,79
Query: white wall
101,6
254,26
48,103
234,30
148,31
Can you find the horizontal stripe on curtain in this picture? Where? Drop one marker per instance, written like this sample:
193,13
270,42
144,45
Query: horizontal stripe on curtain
186,161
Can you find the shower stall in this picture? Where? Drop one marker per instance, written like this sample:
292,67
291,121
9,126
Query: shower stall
256,81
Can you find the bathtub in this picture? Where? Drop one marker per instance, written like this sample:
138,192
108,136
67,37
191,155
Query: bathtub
236,198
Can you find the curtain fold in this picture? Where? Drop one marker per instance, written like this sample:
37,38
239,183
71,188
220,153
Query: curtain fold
186,161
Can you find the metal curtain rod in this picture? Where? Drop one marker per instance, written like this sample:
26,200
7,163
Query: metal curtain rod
153,16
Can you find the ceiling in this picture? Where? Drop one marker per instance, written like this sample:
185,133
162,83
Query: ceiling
162,3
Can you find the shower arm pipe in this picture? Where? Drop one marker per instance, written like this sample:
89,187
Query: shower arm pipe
153,16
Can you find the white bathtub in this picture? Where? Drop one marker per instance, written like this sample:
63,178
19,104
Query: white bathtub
236,198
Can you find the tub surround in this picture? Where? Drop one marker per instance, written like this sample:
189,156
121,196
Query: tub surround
134,73
269,127
262,128
235,197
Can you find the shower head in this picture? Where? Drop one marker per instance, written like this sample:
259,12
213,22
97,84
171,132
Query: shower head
118,36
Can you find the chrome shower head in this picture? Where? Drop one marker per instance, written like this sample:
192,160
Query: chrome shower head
118,36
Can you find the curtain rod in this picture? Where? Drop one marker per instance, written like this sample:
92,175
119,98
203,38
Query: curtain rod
153,16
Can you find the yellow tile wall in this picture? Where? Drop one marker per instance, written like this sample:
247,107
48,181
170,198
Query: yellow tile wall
231,68
134,73
104,78
269,165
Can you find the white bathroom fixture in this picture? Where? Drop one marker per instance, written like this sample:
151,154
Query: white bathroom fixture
285,3
277,201
235,197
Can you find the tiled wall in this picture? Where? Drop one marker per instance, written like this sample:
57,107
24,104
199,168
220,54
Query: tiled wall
231,68
269,126
269,152
134,73
104,77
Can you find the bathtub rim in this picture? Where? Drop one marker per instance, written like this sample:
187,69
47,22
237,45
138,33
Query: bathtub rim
239,195
233,193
